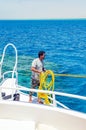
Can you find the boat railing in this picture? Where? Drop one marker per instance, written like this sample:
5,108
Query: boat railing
2,59
8,72
54,94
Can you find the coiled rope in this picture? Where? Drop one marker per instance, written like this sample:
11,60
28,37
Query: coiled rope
46,83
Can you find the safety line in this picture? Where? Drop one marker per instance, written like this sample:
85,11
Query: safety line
63,75
71,75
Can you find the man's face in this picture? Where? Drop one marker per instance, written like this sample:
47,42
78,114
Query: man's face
42,56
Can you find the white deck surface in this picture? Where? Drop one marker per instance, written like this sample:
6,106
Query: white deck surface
42,117
9,124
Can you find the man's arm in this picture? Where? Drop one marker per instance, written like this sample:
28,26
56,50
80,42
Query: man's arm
35,70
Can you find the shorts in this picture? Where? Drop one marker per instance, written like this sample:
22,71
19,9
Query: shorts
35,83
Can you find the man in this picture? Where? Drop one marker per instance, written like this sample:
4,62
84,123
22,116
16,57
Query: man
36,68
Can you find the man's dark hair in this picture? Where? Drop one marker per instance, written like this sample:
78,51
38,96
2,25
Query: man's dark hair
40,53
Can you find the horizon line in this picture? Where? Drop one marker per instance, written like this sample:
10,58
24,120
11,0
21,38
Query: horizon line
48,19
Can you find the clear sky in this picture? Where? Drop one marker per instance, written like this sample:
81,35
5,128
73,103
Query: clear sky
42,9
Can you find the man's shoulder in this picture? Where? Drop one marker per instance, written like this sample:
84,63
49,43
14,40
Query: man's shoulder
35,61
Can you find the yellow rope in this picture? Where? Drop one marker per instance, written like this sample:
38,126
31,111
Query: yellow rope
45,85
71,75
63,75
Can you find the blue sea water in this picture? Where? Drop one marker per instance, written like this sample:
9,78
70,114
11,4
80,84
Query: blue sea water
64,42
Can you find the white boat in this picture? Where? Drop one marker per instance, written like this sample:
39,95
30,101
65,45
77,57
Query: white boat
17,112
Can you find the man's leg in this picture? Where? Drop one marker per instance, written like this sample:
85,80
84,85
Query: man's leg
30,94
30,98
35,83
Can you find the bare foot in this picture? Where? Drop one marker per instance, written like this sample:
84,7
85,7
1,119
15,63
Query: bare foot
30,101
40,102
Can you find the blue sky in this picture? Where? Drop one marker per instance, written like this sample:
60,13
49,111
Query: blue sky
42,9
